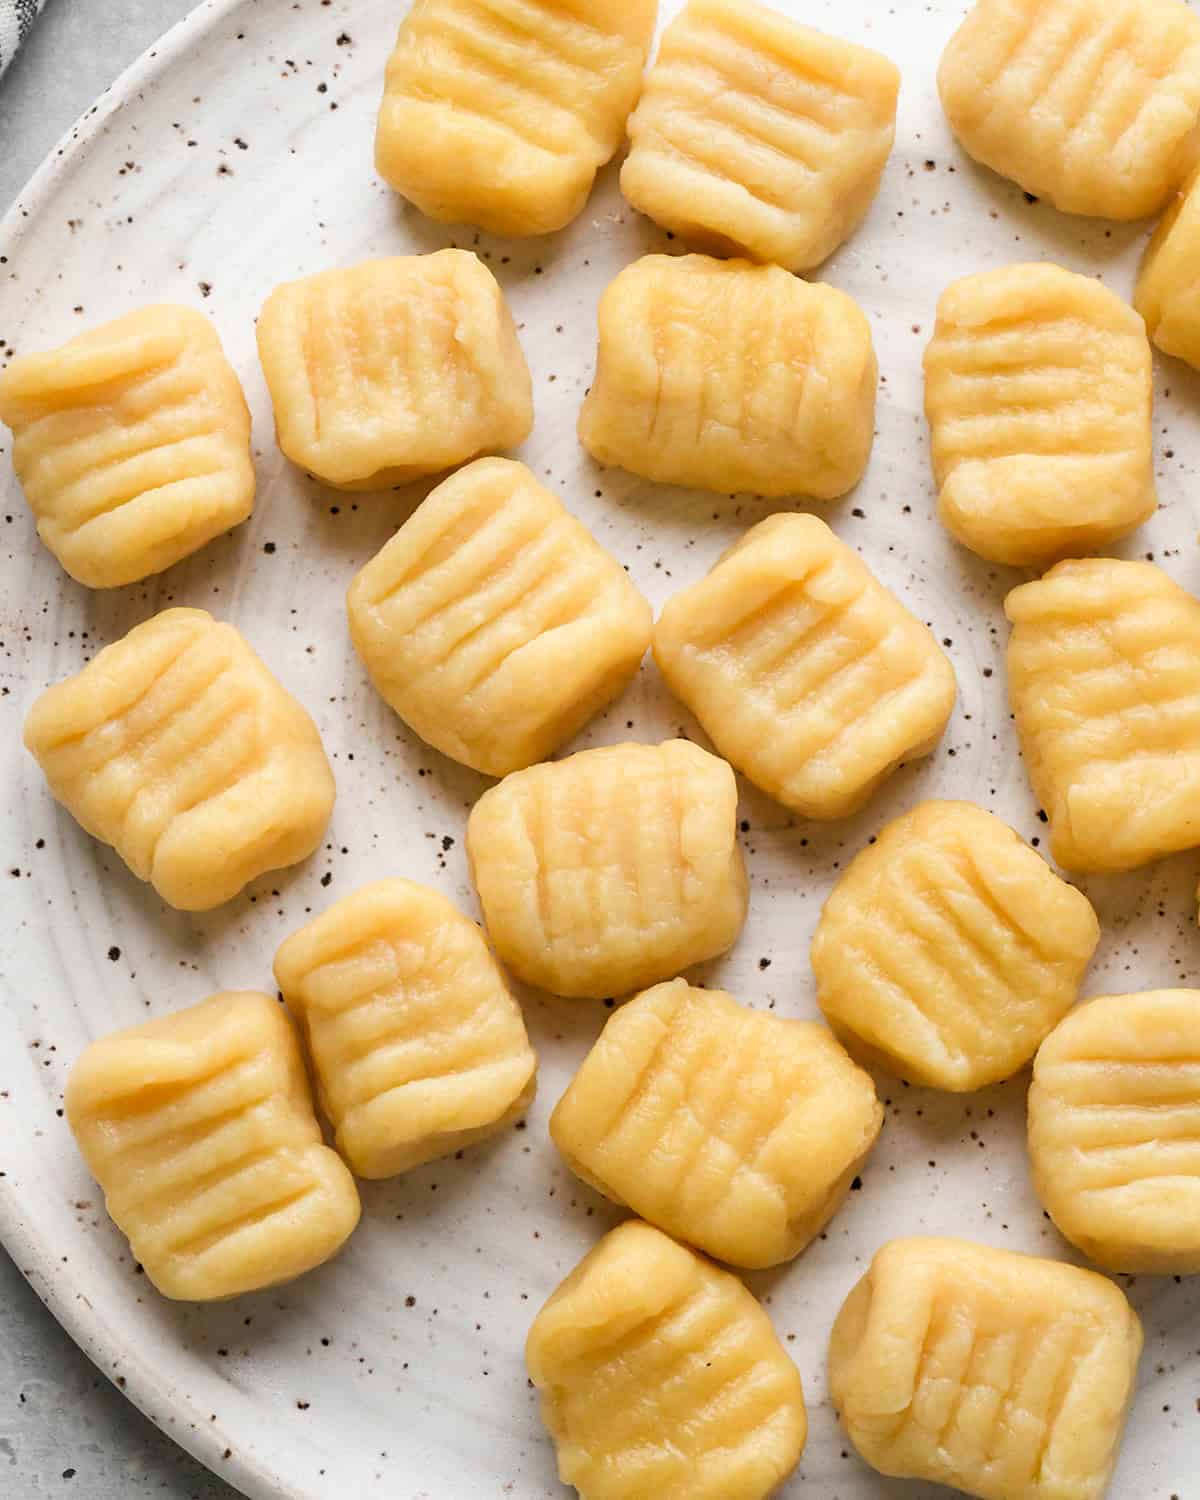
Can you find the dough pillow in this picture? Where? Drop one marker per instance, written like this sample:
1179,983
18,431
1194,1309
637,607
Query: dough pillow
1168,288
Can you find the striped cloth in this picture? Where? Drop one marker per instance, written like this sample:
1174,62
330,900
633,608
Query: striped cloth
16,17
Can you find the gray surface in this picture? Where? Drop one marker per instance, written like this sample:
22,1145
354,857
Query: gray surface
63,1428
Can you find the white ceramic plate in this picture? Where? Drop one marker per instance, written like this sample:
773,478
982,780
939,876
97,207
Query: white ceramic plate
237,154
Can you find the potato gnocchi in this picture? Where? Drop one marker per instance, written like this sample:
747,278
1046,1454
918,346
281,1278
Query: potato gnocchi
417,1045
132,444
1168,288
1038,389
199,1129
393,369
1114,1131
1092,106
758,136
611,870
493,623
1103,666
723,375
1002,1375
730,1128
499,112
949,949
177,746
661,1375
805,672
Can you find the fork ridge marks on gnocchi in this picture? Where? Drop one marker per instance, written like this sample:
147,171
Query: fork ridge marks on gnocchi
179,748
661,1375
392,369
1168,288
611,870
807,674
1038,389
758,136
723,375
132,444
499,112
1092,106
1103,666
493,622
1114,1131
199,1128
418,1047
1003,1375
734,1129
949,949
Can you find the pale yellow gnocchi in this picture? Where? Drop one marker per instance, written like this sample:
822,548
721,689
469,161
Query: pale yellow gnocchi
1114,1131
499,112
758,136
1168,288
1092,106
418,1047
661,1375
611,870
199,1129
805,672
723,375
1104,685
949,949
1005,1376
132,444
493,622
1038,390
179,748
392,369
733,1129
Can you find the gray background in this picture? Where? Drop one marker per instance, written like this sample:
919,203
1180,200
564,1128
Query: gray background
64,1429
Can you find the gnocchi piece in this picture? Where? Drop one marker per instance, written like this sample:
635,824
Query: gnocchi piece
1168,289
417,1045
499,112
948,950
132,444
178,748
611,870
805,672
730,1128
661,1375
1038,390
200,1131
1002,1375
1114,1131
722,375
493,623
1092,106
393,369
758,136
1103,666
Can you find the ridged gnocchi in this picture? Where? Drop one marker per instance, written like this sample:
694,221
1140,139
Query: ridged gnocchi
199,1129
177,746
661,1375
1168,288
1038,390
805,672
1103,673
499,112
418,1047
493,622
392,369
611,870
1092,106
132,444
1005,1376
733,1129
1114,1131
949,949
758,136
723,375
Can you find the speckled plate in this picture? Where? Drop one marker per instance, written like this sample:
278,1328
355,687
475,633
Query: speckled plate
236,154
